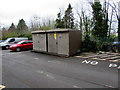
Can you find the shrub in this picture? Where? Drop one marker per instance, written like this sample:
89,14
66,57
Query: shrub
99,44
88,45
28,34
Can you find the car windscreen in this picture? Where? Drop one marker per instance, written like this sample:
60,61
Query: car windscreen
7,40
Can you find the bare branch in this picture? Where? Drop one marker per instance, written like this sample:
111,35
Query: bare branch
114,8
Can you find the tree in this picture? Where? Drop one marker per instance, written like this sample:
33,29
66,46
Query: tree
12,27
4,31
21,27
41,23
105,12
85,19
68,18
12,32
110,25
117,12
98,18
119,21
35,22
59,21
86,24
119,29
47,23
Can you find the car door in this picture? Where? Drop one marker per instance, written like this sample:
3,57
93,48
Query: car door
30,45
25,45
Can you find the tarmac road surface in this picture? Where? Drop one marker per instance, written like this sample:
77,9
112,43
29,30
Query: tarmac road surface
28,69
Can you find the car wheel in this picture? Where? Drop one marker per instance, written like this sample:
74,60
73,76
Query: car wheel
7,47
18,49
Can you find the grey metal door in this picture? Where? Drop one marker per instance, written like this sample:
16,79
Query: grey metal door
63,43
52,43
42,40
36,42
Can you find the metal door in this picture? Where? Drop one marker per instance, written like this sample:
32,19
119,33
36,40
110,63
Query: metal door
63,43
42,44
52,43
35,41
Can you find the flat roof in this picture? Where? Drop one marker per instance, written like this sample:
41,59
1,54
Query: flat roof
53,30
38,31
59,30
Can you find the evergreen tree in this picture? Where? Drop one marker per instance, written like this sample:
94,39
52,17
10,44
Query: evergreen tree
22,27
59,21
12,27
105,12
4,29
12,32
99,29
68,18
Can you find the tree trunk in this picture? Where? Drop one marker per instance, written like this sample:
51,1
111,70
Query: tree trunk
110,23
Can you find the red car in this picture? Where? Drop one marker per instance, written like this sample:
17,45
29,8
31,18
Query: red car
22,45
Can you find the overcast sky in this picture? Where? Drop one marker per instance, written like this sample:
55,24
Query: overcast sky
14,10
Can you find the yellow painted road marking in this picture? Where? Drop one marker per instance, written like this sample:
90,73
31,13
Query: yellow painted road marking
113,60
109,58
1,87
78,56
85,57
98,59
81,56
